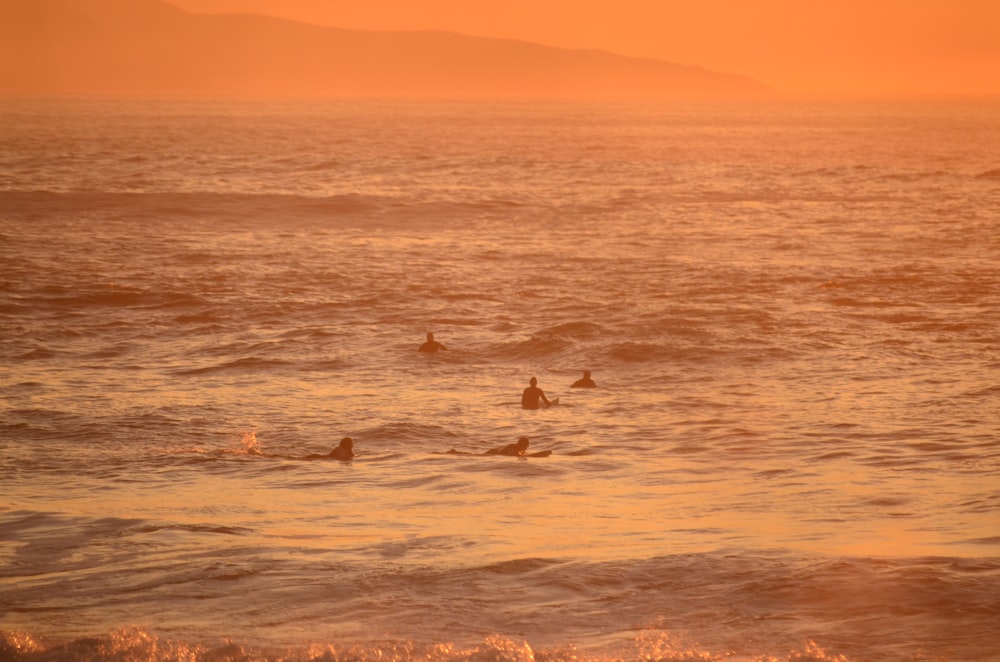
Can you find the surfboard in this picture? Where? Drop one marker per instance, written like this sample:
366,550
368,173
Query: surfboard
466,453
552,403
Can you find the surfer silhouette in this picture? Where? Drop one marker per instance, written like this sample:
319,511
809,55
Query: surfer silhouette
343,452
531,396
584,382
431,346
517,449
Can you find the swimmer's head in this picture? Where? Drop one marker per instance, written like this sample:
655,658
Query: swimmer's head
586,373
347,443
533,381
430,336
522,443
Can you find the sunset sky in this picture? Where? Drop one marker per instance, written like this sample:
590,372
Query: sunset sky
847,47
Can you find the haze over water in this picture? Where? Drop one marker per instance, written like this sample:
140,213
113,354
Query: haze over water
791,314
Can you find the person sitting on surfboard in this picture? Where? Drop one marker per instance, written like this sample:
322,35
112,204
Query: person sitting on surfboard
531,396
584,382
431,346
344,452
517,450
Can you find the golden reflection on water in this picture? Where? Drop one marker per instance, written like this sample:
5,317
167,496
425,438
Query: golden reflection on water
564,506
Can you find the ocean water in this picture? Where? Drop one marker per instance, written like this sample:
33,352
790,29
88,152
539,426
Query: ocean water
792,313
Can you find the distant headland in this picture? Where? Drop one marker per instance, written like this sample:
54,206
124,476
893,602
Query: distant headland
151,48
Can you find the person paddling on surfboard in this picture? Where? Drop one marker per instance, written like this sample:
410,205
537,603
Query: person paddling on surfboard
531,396
343,452
431,346
516,450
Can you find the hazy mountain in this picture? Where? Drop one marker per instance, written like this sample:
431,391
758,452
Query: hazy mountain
149,47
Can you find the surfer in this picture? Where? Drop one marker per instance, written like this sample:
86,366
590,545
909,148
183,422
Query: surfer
431,346
584,382
516,450
531,396
344,452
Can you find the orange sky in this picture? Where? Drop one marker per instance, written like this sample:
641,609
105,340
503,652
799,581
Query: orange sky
838,47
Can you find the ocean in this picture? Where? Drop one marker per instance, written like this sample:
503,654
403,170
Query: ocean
791,313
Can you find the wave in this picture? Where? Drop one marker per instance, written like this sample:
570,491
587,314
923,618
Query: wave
193,528
329,164
641,352
41,354
240,209
114,297
533,348
728,604
137,643
685,607
311,333
257,364
216,206
249,364
573,330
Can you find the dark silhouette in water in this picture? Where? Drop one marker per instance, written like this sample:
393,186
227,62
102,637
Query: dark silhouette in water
519,449
431,346
344,452
531,396
584,382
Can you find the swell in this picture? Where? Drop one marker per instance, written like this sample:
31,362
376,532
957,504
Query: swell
191,205
694,606
111,297
209,208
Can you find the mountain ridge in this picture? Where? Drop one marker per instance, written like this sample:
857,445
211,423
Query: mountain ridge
150,47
